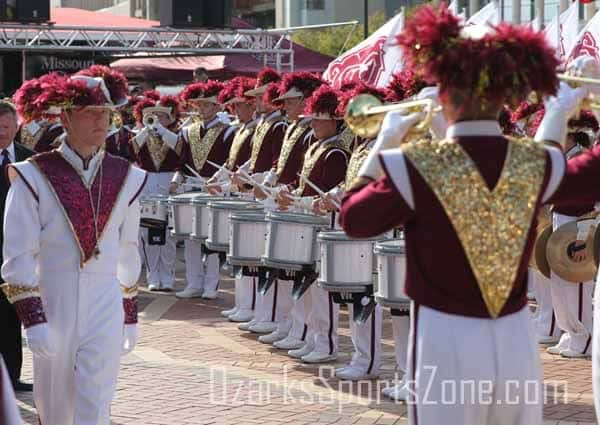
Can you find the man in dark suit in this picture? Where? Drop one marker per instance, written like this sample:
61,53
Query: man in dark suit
10,326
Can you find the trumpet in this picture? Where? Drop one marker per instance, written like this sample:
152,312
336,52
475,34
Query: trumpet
593,101
365,114
150,120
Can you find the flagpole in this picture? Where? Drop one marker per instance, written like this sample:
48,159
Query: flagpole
366,17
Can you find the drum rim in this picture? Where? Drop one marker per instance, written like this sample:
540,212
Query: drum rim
309,219
215,246
246,215
327,236
226,205
382,248
339,287
392,304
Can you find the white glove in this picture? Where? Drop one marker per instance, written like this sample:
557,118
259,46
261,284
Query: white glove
129,338
259,177
394,127
585,66
304,204
270,178
141,137
167,135
438,121
559,109
39,341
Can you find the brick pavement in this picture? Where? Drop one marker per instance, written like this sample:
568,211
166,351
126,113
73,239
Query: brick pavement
192,367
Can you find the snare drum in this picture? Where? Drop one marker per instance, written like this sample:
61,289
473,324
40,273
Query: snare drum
247,241
346,263
391,268
182,212
154,211
200,214
218,221
292,239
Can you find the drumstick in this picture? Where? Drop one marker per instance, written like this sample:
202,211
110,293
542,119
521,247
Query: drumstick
194,172
269,192
220,167
319,191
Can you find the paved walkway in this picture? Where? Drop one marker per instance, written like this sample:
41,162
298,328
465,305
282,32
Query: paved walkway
193,367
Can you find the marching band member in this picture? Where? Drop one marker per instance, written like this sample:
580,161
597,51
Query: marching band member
123,129
479,194
71,259
324,164
156,149
295,88
42,134
266,145
239,154
208,140
366,337
117,137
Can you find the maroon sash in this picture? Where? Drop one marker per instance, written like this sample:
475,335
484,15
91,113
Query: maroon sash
74,197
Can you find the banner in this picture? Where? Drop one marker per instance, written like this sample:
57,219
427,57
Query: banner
588,40
562,31
372,61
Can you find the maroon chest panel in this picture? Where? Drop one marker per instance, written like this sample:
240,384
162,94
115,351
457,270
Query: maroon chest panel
74,197
328,172
244,153
117,144
170,164
218,154
270,148
438,273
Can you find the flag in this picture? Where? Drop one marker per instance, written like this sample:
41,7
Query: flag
588,40
562,31
488,15
372,61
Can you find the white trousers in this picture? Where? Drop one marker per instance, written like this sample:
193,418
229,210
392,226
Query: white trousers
158,259
323,320
283,314
85,316
366,339
473,371
265,306
400,332
596,350
245,293
544,319
200,274
572,306
299,320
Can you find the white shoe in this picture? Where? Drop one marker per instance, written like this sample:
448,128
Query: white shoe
352,373
189,293
154,287
289,343
301,352
555,349
242,316
316,357
572,354
209,295
166,287
246,326
272,337
397,393
341,369
263,328
230,312
547,340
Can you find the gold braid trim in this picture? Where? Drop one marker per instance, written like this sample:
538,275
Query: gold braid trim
16,293
129,291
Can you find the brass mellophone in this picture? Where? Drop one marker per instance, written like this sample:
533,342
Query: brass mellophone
365,114
150,120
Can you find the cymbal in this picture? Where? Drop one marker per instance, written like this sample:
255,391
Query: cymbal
538,259
560,242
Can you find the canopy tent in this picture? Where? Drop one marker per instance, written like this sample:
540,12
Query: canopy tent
179,69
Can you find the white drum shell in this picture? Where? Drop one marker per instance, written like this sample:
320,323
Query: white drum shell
247,238
200,215
218,222
154,207
345,262
391,268
292,239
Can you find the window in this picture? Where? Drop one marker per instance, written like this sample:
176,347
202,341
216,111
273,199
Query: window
314,5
